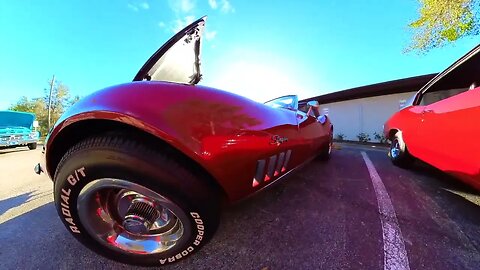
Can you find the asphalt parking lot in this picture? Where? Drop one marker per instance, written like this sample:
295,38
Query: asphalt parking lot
324,216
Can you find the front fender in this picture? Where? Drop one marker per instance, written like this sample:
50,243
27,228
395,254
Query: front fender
150,107
216,129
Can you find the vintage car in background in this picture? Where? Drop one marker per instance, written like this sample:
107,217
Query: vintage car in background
441,122
141,169
18,129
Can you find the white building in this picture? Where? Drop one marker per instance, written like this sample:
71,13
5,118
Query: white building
365,109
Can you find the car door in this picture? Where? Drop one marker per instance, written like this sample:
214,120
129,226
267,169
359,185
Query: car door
449,128
287,135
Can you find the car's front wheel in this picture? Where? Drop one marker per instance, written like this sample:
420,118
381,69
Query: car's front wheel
32,146
133,204
398,151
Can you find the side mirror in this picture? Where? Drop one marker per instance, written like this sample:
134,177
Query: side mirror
313,103
35,124
322,119
410,101
313,108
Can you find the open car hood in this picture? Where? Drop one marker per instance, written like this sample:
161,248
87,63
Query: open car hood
12,119
178,60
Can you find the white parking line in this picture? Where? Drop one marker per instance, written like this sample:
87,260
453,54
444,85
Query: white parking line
395,255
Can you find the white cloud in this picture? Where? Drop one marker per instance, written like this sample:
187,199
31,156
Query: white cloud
183,10
132,7
179,24
213,4
162,25
182,6
210,35
139,5
144,5
226,7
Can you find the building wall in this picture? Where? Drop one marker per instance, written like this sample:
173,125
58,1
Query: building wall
366,115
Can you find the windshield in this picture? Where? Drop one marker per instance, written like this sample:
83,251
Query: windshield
285,102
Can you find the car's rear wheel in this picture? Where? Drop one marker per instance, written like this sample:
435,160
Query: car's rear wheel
32,146
133,204
327,150
398,151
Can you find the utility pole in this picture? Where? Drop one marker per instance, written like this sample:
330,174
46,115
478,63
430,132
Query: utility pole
50,100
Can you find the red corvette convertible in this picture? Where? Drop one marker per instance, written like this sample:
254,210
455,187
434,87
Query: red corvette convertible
440,124
140,169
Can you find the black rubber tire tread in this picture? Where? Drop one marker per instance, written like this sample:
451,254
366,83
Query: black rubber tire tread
405,159
186,189
324,154
32,146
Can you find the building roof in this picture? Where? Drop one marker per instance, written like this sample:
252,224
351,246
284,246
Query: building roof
384,88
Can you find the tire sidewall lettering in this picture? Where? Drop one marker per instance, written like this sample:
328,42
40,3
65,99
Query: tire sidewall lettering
64,201
67,198
200,228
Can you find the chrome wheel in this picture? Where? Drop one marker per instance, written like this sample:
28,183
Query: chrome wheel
395,149
131,218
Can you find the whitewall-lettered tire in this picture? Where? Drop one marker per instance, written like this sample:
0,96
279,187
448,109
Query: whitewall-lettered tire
132,203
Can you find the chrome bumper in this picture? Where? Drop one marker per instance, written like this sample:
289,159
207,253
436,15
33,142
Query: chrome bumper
14,143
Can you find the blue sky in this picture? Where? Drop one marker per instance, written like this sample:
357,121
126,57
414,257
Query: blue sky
259,49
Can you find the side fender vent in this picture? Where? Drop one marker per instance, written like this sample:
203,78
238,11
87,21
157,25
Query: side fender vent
273,167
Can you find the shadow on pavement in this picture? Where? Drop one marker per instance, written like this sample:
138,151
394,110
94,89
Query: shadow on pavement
14,150
38,239
306,221
444,180
14,201
458,200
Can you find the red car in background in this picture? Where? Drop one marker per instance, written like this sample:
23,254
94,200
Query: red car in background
440,125
140,169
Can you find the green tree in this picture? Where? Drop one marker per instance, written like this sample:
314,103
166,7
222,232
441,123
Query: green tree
39,106
23,105
442,22
60,100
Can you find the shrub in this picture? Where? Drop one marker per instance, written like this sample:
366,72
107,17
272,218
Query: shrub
340,136
363,137
380,137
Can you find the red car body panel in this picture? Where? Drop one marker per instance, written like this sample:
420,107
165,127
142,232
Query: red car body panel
453,120
444,132
407,121
226,134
